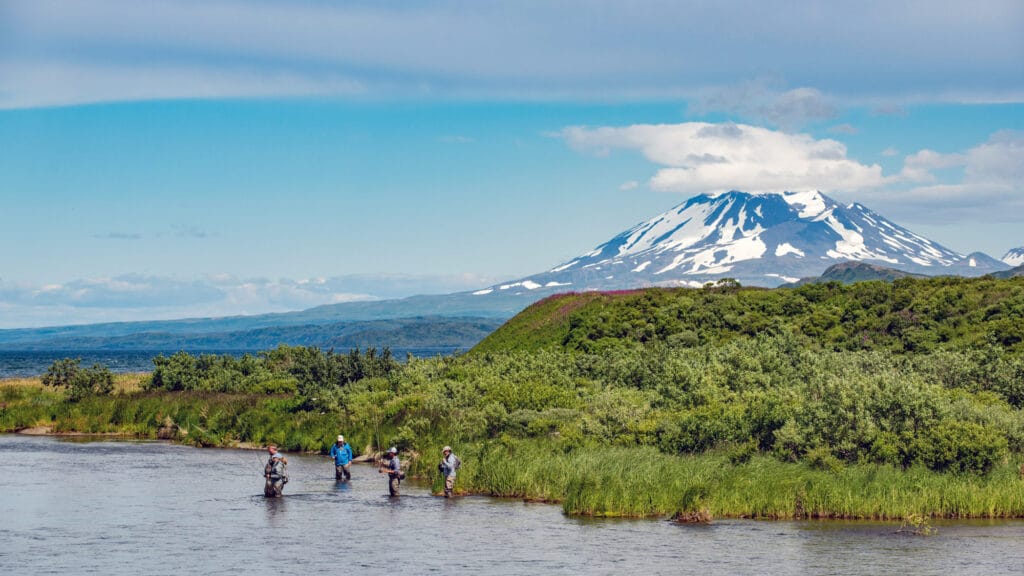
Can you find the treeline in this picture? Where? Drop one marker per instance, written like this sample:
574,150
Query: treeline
906,316
312,375
949,411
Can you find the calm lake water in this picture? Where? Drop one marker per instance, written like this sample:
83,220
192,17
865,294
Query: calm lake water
103,507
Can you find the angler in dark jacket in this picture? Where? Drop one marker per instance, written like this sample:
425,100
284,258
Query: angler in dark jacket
275,472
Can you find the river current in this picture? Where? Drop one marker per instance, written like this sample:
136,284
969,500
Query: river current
117,507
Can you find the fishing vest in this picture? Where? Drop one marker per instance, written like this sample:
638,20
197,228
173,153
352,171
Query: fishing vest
276,470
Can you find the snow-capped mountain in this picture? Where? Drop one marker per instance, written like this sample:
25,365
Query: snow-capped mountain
1015,257
758,239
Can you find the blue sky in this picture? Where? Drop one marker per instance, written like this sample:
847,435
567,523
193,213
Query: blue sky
163,159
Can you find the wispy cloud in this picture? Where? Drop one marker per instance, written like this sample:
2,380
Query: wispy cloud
60,52
118,236
763,101
141,297
191,231
61,83
889,110
845,129
456,140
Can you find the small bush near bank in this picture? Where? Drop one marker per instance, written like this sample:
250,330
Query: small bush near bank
79,382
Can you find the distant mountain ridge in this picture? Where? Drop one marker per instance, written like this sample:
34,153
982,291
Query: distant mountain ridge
421,335
193,332
1011,273
850,272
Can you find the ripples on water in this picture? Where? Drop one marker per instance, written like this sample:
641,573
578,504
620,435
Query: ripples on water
34,363
154,508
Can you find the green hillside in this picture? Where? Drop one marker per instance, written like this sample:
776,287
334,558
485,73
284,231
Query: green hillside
903,316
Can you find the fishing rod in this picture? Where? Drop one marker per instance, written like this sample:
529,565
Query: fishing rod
263,465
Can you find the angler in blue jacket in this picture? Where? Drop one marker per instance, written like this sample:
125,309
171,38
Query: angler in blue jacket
342,454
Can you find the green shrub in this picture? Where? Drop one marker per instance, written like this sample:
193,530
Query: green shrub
961,447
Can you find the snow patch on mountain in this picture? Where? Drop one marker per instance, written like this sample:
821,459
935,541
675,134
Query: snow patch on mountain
810,204
1014,257
787,248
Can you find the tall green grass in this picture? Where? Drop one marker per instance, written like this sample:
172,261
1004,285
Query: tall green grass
641,482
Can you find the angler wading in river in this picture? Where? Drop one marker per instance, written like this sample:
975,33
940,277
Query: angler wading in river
393,467
275,472
447,467
342,454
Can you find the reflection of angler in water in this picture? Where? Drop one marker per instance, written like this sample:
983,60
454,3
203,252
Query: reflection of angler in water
275,472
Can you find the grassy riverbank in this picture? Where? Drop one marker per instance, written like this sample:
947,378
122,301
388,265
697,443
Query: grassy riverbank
586,479
642,482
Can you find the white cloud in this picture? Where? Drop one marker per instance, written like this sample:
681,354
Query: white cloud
698,157
629,185
984,183
919,166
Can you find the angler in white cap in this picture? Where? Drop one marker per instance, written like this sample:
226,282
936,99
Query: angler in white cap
342,454
393,467
447,467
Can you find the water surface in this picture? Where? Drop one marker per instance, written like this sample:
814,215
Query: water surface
105,507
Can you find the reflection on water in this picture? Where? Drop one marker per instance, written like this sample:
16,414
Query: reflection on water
155,508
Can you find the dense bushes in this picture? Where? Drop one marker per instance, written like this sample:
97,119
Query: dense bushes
79,382
312,374
767,394
907,316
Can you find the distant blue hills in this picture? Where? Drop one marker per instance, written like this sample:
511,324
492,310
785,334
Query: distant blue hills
435,322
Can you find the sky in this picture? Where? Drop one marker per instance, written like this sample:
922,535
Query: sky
169,159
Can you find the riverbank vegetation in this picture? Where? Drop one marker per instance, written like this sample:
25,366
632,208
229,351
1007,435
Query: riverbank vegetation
867,401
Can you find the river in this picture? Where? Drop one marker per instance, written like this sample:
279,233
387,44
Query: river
119,507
